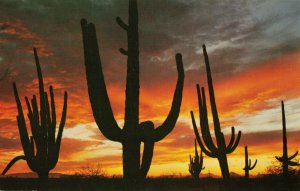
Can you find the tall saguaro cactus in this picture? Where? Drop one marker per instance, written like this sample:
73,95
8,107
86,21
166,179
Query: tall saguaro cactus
41,149
133,132
196,163
248,166
285,159
220,150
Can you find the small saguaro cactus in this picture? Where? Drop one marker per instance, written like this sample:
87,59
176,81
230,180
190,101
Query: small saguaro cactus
284,159
196,163
133,133
41,149
220,150
248,166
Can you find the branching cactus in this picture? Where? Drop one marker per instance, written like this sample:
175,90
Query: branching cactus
41,149
248,166
220,150
133,133
285,159
196,163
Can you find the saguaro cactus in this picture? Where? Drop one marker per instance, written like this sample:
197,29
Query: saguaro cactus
248,166
220,150
196,163
41,149
133,132
284,159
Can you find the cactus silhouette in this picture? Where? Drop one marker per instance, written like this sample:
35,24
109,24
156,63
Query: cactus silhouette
41,150
220,150
248,166
133,133
196,163
284,159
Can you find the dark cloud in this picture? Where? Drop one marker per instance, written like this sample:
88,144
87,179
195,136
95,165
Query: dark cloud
182,136
9,143
268,138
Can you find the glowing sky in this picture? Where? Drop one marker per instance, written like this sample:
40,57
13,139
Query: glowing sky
254,51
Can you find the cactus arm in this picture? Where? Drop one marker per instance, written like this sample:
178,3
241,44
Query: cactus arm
252,167
50,129
21,123
280,159
284,138
293,163
232,138
123,51
147,129
35,109
41,91
30,113
293,156
12,162
53,112
32,119
99,99
47,109
43,145
52,122
32,145
211,92
132,92
171,119
147,158
122,24
234,146
196,152
208,153
51,139
62,121
204,120
55,148
201,161
191,169
35,127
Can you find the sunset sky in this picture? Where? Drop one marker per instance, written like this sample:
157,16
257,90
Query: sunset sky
254,50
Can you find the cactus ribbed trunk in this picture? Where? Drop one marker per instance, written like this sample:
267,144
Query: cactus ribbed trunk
43,177
131,148
285,167
132,81
246,163
224,166
131,160
285,159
